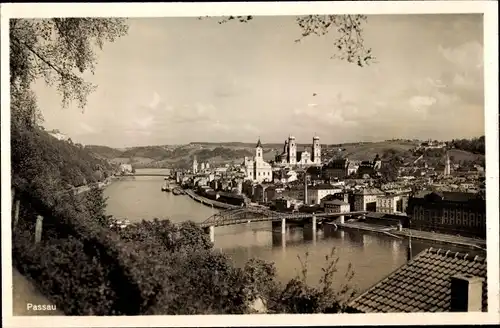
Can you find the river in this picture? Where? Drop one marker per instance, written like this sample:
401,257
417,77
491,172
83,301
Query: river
372,255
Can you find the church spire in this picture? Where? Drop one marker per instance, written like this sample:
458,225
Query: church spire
259,144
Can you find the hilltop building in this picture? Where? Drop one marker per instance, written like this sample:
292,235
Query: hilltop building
58,135
343,168
256,169
292,157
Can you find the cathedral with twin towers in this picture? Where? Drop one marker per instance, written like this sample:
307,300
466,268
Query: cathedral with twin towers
291,156
258,170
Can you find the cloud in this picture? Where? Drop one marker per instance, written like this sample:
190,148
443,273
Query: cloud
251,128
421,102
87,129
467,55
145,122
219,126
435,83
155,101
194,114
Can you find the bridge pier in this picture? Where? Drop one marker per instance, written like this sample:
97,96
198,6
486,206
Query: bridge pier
210,230
341,219
283,226
310,230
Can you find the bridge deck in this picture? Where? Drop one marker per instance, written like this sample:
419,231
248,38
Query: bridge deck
249,214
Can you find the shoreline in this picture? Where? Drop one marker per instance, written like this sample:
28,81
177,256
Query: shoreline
478,244
208,202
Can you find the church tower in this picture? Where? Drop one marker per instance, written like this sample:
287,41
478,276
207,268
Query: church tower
285,149
316,151
447,168
195,165
258,152
292,151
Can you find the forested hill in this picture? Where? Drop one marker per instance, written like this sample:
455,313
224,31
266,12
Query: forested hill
475,145
234,152
36,155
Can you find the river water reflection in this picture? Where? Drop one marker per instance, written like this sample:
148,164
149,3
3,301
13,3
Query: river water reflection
372,255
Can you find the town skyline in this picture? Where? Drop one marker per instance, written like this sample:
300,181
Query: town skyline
429,70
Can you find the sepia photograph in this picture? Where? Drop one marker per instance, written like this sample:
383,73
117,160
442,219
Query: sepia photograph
329,162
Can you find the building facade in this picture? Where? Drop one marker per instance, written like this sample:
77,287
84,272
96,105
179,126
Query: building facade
195,165
336,206
366,200
392,204
292,157
256,169
336,169
316,193
449,212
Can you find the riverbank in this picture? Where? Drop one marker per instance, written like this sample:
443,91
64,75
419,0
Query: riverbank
208,202
392,232
418,234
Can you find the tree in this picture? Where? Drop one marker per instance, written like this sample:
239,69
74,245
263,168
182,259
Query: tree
95,203
349,42
58,50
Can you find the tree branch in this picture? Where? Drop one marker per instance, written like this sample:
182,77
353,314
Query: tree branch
56,69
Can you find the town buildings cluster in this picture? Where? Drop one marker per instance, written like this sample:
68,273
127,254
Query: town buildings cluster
444,199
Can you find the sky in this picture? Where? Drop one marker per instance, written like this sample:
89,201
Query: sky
181,80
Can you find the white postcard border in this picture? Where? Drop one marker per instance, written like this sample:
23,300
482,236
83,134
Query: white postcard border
490,10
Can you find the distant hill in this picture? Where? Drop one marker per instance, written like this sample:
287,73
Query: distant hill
368,151
234,152
104,151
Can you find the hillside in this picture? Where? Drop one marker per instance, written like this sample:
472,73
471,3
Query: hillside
368,150
38,156
104,151
234,152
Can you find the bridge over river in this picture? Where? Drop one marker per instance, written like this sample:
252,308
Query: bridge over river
249,214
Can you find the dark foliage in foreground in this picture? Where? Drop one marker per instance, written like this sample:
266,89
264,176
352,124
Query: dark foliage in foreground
81,265
152,267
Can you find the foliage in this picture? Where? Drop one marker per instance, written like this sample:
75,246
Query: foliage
63,271
299,297
148,268
349,43
475,145
95,205
54,49
34,152
104,151
391,161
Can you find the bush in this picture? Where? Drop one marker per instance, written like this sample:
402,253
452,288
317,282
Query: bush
152,267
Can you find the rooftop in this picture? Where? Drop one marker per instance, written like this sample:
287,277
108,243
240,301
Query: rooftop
370,191
451,196
421,285
323,186
336,202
